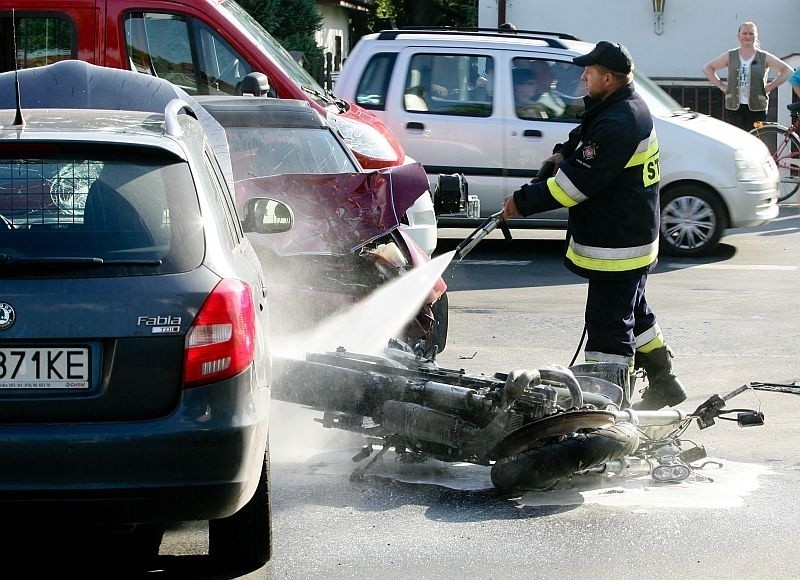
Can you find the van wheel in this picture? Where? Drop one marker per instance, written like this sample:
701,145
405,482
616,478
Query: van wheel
244,539
692,220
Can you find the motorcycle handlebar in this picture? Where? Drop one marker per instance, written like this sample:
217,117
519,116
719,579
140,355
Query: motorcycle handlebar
734,392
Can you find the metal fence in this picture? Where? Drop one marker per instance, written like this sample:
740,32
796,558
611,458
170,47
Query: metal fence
699,96
322,69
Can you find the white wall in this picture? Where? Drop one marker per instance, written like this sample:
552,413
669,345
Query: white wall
694,31
335,24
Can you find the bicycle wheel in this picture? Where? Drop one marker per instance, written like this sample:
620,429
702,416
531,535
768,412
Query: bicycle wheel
785,148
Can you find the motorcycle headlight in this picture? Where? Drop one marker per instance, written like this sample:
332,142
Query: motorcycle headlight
388,259
365,141
668,473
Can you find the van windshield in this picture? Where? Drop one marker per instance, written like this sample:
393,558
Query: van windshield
290,66
657,99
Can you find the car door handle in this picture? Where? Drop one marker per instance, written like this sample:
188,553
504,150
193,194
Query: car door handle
531,133
414,126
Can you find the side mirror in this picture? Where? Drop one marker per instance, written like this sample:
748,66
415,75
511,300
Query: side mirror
255,83
264,215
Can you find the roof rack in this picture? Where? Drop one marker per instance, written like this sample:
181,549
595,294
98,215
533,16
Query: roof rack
171,112
551,38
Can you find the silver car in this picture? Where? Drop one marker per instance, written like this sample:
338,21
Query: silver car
451,99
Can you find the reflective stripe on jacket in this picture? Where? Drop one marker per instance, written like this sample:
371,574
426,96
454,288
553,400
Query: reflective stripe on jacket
609,182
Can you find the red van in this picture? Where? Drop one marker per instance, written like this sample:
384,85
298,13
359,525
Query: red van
204,47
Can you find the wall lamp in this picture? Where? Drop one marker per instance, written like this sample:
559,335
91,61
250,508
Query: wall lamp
658,9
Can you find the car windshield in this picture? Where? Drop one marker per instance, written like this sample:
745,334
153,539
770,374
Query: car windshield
276,51
261,151
97,216
657,99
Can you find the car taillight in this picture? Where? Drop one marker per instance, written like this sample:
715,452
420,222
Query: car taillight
221,341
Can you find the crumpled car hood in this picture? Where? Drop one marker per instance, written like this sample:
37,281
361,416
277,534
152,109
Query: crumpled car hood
335,213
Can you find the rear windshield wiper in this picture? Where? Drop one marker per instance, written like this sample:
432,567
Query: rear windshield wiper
78,261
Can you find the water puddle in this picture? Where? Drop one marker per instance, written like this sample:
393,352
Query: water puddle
721,484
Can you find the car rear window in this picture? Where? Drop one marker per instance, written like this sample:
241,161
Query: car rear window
97,216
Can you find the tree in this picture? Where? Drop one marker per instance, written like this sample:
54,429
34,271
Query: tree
401,13
293,23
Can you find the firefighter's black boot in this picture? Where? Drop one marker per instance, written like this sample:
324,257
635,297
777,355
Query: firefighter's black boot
663,388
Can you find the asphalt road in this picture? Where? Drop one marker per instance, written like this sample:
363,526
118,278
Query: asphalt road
732,318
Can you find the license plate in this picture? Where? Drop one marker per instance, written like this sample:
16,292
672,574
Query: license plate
44,368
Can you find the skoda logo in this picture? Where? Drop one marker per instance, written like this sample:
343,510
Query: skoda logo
7,315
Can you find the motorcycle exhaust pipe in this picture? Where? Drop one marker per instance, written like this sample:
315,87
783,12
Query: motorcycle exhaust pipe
418,422
324,387
560,374
443,396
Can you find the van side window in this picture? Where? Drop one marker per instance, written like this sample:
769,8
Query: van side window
221,67
374,82
547,89
160,45
450,84
41,40
183,51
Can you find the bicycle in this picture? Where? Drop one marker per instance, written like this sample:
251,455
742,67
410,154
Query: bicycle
784,144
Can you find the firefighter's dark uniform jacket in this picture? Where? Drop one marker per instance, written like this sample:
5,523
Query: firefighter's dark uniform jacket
609,182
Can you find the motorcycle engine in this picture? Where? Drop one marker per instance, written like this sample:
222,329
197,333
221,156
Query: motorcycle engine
535,402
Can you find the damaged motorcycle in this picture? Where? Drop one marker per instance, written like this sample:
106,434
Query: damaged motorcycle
535,428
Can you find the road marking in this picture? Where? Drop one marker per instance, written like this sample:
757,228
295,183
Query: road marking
759,267
676,265
497,262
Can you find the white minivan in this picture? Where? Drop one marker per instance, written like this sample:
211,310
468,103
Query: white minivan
449,97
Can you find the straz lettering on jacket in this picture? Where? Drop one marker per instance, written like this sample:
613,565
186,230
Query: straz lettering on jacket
651,171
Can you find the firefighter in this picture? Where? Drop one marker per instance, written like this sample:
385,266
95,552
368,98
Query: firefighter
607,174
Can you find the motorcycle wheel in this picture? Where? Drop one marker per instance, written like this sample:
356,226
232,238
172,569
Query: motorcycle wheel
543,467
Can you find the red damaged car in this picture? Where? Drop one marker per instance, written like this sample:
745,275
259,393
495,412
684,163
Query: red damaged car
346,238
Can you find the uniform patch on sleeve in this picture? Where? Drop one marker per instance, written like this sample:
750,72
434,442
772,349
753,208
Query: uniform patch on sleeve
590,150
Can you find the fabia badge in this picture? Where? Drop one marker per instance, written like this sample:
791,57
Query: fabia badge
7,315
